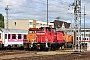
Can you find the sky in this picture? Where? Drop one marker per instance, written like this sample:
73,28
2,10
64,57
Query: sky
37,10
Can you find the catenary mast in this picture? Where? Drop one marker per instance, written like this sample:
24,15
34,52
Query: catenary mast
77,25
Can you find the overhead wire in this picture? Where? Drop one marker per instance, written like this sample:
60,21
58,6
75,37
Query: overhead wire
41,3
33,7
29,7
39,14
59,12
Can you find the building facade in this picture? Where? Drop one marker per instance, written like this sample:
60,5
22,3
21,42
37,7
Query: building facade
61,24
26,23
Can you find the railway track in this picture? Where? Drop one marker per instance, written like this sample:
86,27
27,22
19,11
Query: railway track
13,52
43,55
52,55
10,52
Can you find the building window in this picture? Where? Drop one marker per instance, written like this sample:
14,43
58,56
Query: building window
0,35
13,36
15,23
19,36
8,36
40,24
87,30
30,23
43,24
37,24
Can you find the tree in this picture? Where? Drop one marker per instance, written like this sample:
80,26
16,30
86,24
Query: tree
1,21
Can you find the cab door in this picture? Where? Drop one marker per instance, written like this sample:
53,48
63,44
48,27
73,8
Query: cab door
5,39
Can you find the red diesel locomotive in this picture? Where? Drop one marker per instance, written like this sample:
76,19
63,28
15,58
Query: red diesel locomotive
48,39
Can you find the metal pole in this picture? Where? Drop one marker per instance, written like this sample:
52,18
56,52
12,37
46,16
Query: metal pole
80,24
47,12
7,21
6,16
77,26
84,25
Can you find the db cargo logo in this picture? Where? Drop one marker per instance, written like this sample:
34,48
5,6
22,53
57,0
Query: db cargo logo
40,33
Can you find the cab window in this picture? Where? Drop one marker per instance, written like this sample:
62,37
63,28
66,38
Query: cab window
31,32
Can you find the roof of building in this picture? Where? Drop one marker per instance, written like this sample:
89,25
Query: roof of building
58,24
13,30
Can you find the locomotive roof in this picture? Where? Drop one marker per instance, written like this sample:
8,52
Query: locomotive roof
13,30
33,29
46,28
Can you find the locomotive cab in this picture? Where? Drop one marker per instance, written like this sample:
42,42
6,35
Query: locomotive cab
31,37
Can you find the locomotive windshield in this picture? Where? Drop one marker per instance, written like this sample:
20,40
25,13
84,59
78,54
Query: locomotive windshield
41,29
33,31
48,29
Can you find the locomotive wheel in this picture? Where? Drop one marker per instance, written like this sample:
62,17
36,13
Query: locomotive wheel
32,49
9,47
53,47
46,49
65,45
69,45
